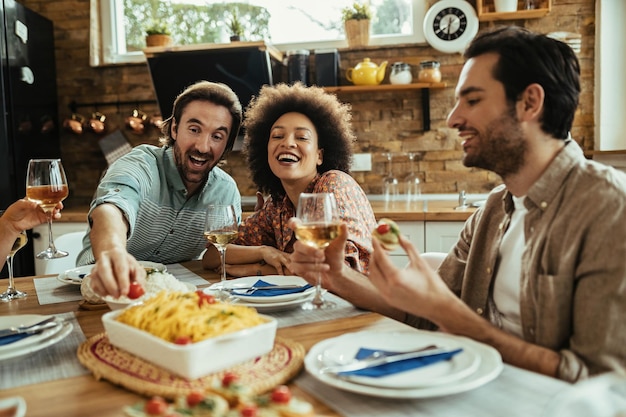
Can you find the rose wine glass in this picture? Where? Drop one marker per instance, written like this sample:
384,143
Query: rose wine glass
220,229
46,185
11,293
319,226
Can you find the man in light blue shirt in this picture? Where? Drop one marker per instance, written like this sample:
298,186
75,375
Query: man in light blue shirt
150,205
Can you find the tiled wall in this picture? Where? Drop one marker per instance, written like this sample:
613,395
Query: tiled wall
385,121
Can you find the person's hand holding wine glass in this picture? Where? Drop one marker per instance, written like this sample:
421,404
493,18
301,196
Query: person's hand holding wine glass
220,229
46,185
318,225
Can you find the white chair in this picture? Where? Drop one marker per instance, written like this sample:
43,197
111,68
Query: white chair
72,243
434,259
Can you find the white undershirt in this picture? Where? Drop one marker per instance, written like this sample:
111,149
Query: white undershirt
506,289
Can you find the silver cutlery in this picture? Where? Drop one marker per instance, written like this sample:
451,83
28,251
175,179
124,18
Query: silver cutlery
48,323
250,290
380,358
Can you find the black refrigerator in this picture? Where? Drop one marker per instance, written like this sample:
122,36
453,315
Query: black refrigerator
28,106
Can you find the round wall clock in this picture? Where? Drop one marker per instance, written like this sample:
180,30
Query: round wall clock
450,25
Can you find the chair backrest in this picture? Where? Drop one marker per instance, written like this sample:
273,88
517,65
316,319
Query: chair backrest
434,259
72,243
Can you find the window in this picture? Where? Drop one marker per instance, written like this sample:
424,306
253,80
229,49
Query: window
287,24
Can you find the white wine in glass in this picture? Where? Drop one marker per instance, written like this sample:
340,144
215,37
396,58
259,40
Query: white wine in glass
319,225
220,229
12,293
46,185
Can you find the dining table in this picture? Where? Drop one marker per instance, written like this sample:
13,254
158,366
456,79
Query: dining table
513,392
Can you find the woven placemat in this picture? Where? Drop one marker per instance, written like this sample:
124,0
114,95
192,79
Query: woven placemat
116,365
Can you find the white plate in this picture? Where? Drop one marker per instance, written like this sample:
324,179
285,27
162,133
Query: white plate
275,307
66,329
28,319
15,405
75,275
344,348
245,282
159,267
489,367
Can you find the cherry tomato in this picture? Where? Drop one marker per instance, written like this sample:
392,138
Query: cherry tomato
249,410
204,298
229,378
183,340
281,394
155,406
383,228
194,398
135,290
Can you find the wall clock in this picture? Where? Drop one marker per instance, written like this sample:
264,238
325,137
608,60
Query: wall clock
450,25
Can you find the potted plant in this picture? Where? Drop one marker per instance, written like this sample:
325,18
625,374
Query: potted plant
158,34
235,27
356,19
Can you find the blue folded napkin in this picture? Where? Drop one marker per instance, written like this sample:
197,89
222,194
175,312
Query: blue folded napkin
400,366
270,293
6,340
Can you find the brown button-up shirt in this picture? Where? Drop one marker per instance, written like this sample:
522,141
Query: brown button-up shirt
573,283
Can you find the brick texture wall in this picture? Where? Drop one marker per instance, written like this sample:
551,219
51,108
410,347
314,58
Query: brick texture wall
385,121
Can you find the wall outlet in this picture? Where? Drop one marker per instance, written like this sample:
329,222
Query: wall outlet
361,162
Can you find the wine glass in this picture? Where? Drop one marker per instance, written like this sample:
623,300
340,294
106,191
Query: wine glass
412,181
11,293
319,225
46,185
390,183
220,229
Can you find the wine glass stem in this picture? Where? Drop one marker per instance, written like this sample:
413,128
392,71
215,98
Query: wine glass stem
10,268
318,300
50,238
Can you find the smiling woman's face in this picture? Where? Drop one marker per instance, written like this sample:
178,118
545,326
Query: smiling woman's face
292,150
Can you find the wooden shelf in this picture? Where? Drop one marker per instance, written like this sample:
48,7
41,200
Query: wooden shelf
423,87
383,87
486,11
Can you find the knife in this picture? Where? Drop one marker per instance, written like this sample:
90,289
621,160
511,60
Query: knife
40,326
269,287
373,360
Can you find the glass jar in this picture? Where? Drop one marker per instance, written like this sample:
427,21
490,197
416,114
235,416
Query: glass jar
400,73
429,72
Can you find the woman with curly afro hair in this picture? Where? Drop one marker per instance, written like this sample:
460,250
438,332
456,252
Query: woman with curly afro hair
298,139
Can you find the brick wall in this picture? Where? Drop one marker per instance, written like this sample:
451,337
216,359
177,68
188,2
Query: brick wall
385,121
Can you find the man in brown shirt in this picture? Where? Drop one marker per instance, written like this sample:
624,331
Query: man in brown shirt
566,287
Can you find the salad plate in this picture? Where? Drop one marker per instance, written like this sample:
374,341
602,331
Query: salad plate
27,319
75,275
65,329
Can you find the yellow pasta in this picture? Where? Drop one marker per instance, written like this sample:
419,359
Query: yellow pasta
174,315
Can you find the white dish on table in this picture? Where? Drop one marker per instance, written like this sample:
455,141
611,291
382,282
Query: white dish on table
270,307
192,360
26,320
13,407
447,379
247,282
75,275
65,329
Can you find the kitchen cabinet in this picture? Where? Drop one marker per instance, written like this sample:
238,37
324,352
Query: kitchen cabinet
487,13
423,87
40,239
441,236
414,231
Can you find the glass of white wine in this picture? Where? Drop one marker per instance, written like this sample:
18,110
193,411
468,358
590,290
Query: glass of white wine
11,293
319,225
220,229
46,185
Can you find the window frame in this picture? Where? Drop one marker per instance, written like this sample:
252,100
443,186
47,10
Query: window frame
108,13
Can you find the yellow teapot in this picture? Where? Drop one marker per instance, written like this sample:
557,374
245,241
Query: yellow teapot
366,73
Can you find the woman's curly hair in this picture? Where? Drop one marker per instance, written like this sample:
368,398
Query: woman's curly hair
331,118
